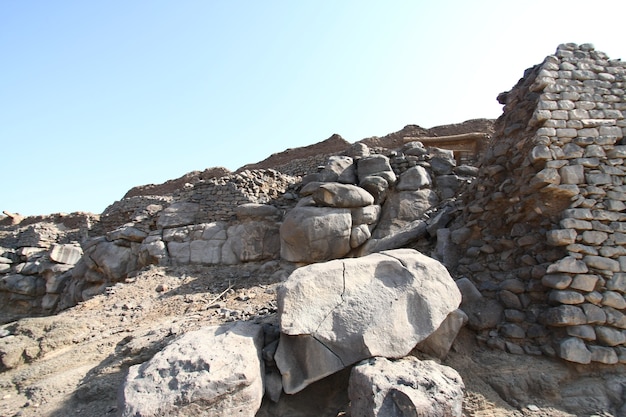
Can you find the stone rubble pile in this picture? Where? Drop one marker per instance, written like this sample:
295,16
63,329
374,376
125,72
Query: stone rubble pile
361,204
259,216
37,259
369,311
217,197
542,234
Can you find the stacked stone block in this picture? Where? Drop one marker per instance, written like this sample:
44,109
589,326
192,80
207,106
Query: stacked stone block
218,196
221,196
544,225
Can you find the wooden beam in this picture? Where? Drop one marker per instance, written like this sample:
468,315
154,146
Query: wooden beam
464,137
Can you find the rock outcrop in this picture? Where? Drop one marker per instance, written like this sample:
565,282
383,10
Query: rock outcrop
331,316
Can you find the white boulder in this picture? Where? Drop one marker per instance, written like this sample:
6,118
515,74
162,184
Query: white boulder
213,372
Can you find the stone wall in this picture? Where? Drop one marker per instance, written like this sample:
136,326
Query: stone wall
36,256
218,196
543,230
135,209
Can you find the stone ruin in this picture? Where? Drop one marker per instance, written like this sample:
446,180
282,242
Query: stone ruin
540,233
533,233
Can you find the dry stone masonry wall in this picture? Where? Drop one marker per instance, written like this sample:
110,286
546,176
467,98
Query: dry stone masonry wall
217,196
220,197
543,231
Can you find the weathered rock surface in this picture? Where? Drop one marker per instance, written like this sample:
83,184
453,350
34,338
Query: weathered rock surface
315,234
438,344
405,387
178,214
342,196
413,179
65,254
408,233
403,207
214,372
336,313
539,235
338,168
251,241
376,165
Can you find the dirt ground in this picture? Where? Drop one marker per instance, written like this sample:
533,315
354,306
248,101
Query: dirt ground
74,363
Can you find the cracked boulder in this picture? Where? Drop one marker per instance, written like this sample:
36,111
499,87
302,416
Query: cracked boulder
215,372
337,313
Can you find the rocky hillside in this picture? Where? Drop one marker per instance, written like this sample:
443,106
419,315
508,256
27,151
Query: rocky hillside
385,277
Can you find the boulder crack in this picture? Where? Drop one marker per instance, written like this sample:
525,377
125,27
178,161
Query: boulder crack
330,350
397,259
343,292
343,276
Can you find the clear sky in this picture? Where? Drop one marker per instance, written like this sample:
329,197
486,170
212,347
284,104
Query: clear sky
99,96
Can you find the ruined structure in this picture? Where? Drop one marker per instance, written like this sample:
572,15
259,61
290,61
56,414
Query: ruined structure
533,236
468,147
542,229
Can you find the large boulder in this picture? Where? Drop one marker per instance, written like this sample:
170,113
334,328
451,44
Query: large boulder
337,313
213,372
376,165
315,234
30,285
112,260
414,179
403,207
406,387
338,168
153,251
376,186
338,195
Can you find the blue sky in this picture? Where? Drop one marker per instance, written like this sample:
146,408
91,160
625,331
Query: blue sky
99,96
